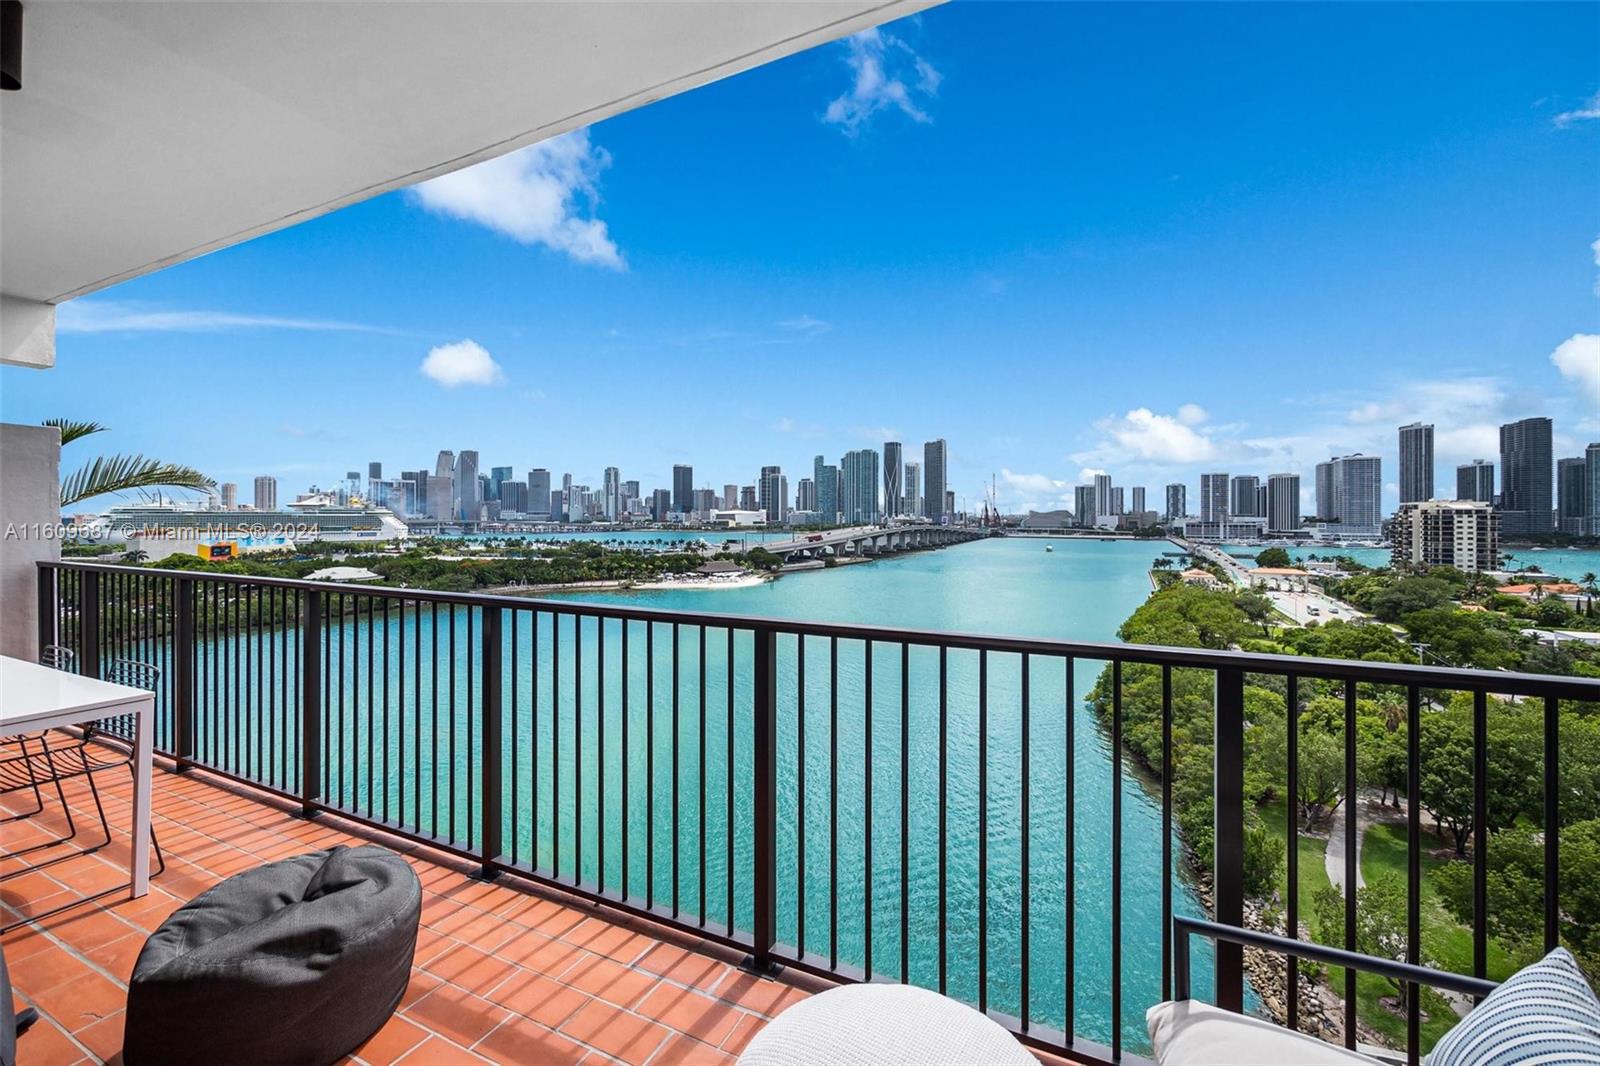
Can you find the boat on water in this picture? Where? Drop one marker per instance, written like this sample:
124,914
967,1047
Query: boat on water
1049,547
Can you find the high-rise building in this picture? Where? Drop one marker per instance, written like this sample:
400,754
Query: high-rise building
468,488
1416,462
913,491
1138,498
660,504
1591,515
1475,481
539,491
230,496
1213,497
935,471
1326,508
893,471
1464,534
826,477
1242,496
730,497
1177,500
683,488
773,494
514,497
860,501
374,471
1572,495
1083,505
1261,500
498,476
441,499
1103,505
569,507
805,497
705,502
445,466
1119,500
266,493
1283,503
1527,460
747,498
611,494
950,504
1356,484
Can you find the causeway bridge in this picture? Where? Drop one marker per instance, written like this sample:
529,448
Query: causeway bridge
870,541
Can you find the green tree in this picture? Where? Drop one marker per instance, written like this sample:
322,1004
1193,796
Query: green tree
119,473
1275,557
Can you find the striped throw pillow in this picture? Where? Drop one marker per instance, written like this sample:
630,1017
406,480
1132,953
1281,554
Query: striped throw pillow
1545,1013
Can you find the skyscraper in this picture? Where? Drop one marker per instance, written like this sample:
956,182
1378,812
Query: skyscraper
266,493
1242,496
826,476
1326,507
772,490
660,504
498,476
1213,497
1475,481
1283,503
1591,514
1103,504
230,496
539,491
1416,462
1526,463
1572,495
1356,484
441,498
934,474
683,488
730,497
913,491
1177,500
805,497
468,488
569,506
747,498
893,470
1083,505
611,494
446,464
860,470
1138,499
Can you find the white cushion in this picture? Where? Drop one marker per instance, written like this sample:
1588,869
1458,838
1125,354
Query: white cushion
1543,1013
1191,1033
869,1025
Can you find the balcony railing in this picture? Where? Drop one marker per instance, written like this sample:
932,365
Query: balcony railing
853,801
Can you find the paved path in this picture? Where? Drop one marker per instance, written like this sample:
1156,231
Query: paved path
1369,811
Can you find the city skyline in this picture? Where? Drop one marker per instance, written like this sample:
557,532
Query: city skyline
1314,306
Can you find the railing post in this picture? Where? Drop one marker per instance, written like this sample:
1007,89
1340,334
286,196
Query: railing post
310,701
89,623
492,725
1228,862
49,608
764,760
183,662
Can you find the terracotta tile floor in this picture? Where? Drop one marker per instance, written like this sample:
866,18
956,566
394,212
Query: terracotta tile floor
502,973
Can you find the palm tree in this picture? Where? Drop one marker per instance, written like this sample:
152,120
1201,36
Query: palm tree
120,473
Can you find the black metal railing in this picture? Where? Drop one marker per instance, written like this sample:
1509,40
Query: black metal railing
859,802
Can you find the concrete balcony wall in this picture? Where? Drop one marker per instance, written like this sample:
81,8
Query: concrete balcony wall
30,517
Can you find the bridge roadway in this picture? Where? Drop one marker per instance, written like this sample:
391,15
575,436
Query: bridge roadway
871,540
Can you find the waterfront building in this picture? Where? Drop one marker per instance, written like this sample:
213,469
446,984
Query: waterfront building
1572,495
1177,501
1526,464
565,512
949,504
893,471
1464,534
1118,500
498,476
1283,503
441,497
230,496
468,501
1416,462
266,496
514,497
1213,497
1242,496
860,500
1226,528
913,491
772,494
539,492
1591,514
1356,485
1083,505
1475,481
730,497
1138,498
934,474
805,497
1261,500
747,498
734,518
445,465
1102,497
611,494
1324,491
682,488
826,477
660,504
705,502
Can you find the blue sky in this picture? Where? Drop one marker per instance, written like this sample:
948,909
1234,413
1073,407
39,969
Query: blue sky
1152,240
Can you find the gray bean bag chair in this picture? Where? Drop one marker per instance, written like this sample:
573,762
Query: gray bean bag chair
295,962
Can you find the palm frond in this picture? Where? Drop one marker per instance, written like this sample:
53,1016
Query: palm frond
123,473
72,430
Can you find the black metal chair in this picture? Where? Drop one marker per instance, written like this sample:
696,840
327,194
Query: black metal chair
23,776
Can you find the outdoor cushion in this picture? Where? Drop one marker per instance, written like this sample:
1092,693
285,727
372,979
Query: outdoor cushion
860,1025
1545,1012
298,961
1190,1033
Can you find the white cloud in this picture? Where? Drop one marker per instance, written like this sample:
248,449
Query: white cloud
1595,248
1143,435
887,75
1089,473
1192,414
805,324
462,363
542,194
1578,359
120,316
1589,109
